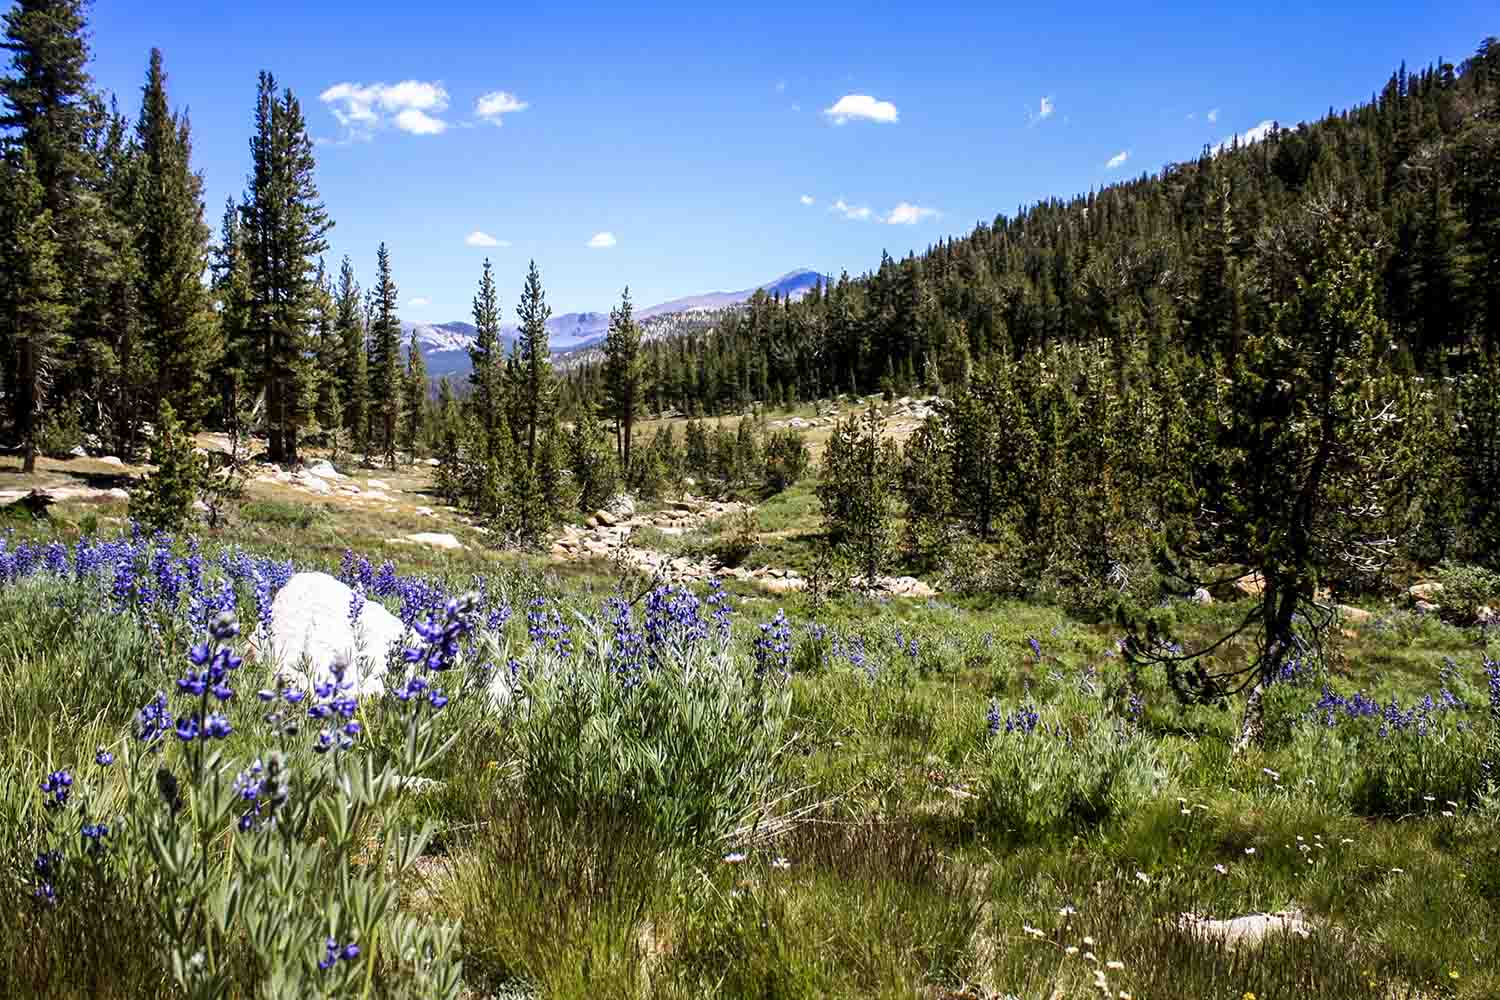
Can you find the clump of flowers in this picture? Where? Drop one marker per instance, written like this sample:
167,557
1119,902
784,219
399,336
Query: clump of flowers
773,646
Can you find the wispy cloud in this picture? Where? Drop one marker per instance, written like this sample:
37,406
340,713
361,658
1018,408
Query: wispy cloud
602,241
859,213
1246,137
419,302
807,199
1213,115
1118,160
480,238
863,107
411,105
907,214
493,106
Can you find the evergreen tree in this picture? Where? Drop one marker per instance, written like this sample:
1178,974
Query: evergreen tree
623,373
31,301
172,243
164,501
283,225
236,364
487,358
595,474
354,389
534,362
414,389
385,360
856,492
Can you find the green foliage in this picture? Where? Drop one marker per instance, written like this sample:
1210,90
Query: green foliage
384,327
787,459
592,461
857,490
164,501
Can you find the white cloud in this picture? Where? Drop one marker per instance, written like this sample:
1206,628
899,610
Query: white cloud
602,241
861,106
421,301
1213,115
1046,109
480,238
858,213
1118,160
907,214
411,105
497,103
419,122
806,199
1246,137
780,86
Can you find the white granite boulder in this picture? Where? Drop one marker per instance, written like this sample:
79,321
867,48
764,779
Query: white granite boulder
310,628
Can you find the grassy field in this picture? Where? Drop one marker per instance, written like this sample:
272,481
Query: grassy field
936,799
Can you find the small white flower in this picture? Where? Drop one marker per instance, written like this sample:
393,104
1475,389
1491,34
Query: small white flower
734,857
1099,980
1346,841
1398,871
1031,931
1448,813
1066,911
1249,850
1221,869
1070,950
1126,996
781,864
1088,941
1089,956
1115,964
1272,774
1143,878
1429,798
1451,804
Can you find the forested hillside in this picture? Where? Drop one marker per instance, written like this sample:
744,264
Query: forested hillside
1175,260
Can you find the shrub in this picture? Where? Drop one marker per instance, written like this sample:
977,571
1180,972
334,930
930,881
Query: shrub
165,499
787,459
1038,777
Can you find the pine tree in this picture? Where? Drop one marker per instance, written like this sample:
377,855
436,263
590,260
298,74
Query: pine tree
49,116
164,501
31,300
328,354
623,374
283,224
236,365
595,474
487,357
172,241
534,362
856,492
354,389
385,360
414,391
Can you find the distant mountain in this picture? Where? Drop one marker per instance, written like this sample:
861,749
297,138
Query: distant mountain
445,346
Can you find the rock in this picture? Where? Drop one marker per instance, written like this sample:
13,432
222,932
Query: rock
1249,930
1428,608
1486,615
1250,585
1425,592
1202,597
117,494
325,470
77,451
310,628
433,463
621,504
1356,616
604,517
312,484
200,506
109,460
377,484
436,539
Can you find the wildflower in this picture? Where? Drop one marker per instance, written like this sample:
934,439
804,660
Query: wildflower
1221,869
216,727
1143,878
1071,949
103,757
781,864
1030,931
1270,773
1115,964
1249,850
55,787
1089,956
1066,911
734,857
1088,941
773,646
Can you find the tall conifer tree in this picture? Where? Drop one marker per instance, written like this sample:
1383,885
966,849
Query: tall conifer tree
385,359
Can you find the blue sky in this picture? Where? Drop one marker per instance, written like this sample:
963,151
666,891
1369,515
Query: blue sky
694,135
